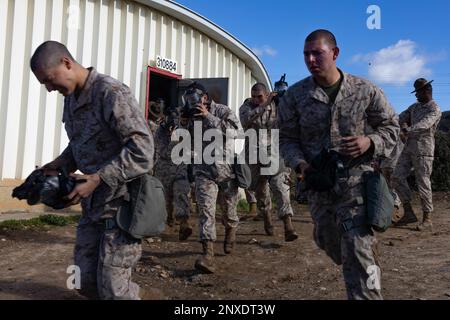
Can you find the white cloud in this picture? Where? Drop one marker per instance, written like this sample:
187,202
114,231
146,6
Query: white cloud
396,64
265,50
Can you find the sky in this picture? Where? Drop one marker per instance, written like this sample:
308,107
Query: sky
391,44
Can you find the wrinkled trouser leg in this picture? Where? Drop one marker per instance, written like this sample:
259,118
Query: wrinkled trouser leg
106,258
260,185
423,167
401,173
119,254
228,198
250,196
181,189
279,185
388,174
86,251
362,273
206,191
354,249
165,174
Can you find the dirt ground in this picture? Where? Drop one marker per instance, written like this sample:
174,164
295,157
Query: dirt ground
414,265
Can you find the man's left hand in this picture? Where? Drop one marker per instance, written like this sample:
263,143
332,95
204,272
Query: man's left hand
83,190
355,146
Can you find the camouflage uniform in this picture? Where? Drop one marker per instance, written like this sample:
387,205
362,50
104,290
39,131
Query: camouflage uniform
215,183
173,177
388,166
153,126
250,196
259,118
109,136
309,123
418,153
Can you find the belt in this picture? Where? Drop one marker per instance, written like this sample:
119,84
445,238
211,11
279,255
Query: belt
350,223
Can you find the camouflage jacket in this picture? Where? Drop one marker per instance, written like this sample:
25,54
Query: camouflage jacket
220,117
422,120
392,160
308,123
108,135
163,152
258,117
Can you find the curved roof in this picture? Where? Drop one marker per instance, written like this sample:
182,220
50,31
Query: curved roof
214,32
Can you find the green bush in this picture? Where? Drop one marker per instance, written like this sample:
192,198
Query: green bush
440,178
243,205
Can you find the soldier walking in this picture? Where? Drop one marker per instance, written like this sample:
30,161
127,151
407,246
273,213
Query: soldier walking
260,112
110,143
335,111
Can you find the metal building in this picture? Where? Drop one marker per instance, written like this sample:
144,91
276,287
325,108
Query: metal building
147,44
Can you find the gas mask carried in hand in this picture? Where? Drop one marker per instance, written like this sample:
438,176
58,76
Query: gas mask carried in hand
280,88
47,189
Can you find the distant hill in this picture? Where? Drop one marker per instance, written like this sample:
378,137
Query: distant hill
444,124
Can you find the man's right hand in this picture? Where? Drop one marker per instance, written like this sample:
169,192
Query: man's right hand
269,100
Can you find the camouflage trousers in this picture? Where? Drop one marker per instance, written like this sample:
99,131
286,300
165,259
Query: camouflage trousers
250,196
340,230
388,174
208,193
423,167
176,189
278,184
106,259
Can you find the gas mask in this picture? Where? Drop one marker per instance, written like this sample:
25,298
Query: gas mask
191,99
46,189
280,88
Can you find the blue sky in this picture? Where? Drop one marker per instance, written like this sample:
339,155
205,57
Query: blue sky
413,40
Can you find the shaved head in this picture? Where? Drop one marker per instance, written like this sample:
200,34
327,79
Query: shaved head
259,87
49,54
322,34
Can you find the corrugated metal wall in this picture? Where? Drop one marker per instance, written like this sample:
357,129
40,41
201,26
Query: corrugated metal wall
119,38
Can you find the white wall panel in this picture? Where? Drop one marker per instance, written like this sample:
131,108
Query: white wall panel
117,37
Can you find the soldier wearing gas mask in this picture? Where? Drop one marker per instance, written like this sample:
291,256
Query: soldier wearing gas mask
174,177
213,183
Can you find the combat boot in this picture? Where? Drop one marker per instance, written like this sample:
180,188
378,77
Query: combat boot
426,224
289,232
230,239
205,263
268,225
408,217
185,229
